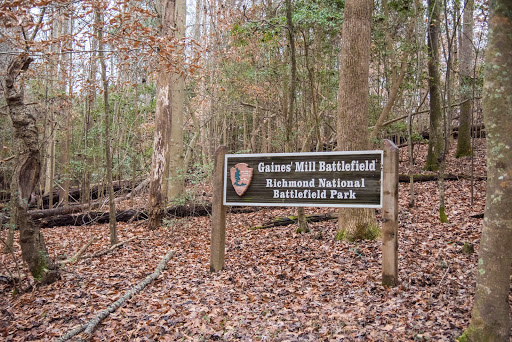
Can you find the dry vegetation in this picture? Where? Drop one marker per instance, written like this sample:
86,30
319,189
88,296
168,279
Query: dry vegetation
277,285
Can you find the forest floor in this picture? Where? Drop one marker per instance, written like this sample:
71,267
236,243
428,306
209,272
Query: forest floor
277,285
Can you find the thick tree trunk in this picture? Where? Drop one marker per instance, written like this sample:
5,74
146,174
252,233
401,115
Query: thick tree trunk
163,122
353,106
490,318
33,248
177,172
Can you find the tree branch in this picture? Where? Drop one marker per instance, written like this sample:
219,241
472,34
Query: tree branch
88,328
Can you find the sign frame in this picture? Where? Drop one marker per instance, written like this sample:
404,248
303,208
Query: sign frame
389,202
227,182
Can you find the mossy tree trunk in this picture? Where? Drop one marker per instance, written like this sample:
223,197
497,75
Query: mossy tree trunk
435,140
27,172
490,318
353,106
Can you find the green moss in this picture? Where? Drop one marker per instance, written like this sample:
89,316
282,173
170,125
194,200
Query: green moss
40,268
39,272
340,235
371,232
463,152
301,230
442,215
463,338
468,248
432,167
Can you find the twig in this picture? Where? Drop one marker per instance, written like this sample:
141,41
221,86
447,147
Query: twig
442,278
105,251
7,159
77,256
89,327
9,249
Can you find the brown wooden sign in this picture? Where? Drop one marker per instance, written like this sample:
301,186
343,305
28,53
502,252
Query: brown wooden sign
317,179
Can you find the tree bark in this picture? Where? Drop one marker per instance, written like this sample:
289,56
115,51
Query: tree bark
490,317
435,141
87,160
466,80
177,171
108,150
163,121
355,223
293,78
27,172
396,84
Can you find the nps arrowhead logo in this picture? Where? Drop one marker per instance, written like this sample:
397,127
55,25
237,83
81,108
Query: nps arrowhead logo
241,176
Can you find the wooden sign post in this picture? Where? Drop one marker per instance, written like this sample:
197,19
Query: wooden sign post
351,179
390,215
218,237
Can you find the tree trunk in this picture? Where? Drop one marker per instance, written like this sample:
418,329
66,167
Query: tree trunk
108,151
396,82
303,225
353,106
33,248
163,121
447,117
68,62
13,207
435,141
87,160
293,78
177,172
466,80
490,317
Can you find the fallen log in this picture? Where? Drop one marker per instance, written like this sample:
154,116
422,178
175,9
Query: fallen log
100,217
285,221
37,214
92,217
89,327
96,190
431,178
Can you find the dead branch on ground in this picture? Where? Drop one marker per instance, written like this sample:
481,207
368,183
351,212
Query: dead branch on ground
78,255
110,249
89,327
